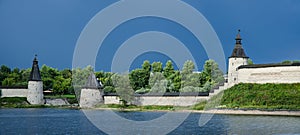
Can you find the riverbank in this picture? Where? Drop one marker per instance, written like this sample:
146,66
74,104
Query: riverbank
251,112
213,111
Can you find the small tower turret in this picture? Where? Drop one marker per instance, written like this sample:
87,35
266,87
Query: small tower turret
35,85
91,94
237,58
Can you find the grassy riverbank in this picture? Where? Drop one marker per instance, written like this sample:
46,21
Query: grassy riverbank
262,97
268,97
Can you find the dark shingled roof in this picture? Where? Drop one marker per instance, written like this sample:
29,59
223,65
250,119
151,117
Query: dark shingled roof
238,51
268,65
35,71
92,82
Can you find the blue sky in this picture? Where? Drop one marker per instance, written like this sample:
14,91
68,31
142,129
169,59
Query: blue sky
50,28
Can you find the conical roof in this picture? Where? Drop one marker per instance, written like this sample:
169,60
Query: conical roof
238,51
92,82
35,71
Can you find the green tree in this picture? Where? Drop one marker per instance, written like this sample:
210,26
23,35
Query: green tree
123,88
188,67
169,69
146,66
105,78
158,83
156,67
187,74
48,75
139,78
250,62
66,73
176,82
62,85
79,78
4,72
287,62
212,72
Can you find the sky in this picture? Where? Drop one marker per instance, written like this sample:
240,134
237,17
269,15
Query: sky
50,28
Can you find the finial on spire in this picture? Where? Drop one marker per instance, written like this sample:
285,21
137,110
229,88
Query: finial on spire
238,37
35,57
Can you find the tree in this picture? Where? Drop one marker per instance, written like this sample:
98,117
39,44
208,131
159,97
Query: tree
250,62
123,88
156,67
212,72
4,72
287,62
146,66
48,75
79,78
139,78
105,78
186,74
168,69
188,67
158,83
62,85
176,81
66,73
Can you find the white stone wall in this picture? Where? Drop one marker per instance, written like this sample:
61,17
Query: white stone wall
233,65
111,100
35,92
287,74
166,100
14,92
90,98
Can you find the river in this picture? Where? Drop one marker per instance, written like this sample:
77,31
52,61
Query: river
67,121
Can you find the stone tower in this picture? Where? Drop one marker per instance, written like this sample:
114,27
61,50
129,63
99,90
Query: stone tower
91,94
35,85
237,58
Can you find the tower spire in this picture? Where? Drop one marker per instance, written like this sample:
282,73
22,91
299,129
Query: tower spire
35,71
238,51
238,38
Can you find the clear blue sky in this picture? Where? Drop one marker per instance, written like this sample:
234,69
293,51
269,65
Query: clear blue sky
50,28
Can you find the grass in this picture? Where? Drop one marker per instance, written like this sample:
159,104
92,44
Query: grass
263,96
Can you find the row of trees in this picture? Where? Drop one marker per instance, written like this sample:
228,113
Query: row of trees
156,78
151,77
53,79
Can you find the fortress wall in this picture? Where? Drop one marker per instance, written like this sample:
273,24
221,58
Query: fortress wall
165,100
287,74
14,92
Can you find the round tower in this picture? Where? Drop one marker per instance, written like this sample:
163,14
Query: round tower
35,85
237,58
91,94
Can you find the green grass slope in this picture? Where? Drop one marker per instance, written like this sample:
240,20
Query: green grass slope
263,96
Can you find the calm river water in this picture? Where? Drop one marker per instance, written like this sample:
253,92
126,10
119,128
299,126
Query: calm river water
64,121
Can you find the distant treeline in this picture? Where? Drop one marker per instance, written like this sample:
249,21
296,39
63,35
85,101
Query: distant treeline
151,77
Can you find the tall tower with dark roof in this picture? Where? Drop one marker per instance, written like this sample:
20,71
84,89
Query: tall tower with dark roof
35,85
237,58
